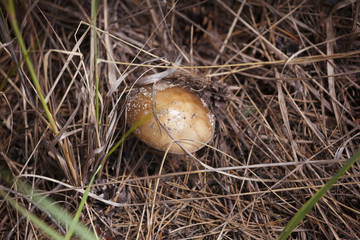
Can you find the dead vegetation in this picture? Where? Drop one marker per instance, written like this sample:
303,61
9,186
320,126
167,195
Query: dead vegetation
282,78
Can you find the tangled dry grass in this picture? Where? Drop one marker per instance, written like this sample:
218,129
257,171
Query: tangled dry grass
282,78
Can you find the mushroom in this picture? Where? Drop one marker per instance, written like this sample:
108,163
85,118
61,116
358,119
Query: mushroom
180,116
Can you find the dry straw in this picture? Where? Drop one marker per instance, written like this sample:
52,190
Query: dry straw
280,77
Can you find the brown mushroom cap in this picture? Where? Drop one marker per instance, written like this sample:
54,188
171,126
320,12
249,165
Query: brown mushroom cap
183,113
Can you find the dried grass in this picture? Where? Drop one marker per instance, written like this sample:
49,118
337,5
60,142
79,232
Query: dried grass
283,82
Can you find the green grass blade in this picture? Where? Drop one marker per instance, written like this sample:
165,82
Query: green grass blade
56,212
306,208
127,133
34,219
11,11
94,9
82,203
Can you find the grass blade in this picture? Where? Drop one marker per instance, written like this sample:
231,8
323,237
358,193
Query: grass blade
128,132
306,208
94,8
34,219
12,16
56,212
11,11
82,203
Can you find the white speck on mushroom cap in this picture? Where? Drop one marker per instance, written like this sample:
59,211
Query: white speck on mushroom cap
183,113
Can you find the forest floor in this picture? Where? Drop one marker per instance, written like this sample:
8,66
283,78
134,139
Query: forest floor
282,79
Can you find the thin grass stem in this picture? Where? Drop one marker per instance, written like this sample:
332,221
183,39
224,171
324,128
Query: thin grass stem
11,10
306,208
94,9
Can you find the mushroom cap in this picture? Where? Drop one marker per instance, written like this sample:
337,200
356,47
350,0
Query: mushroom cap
182,112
